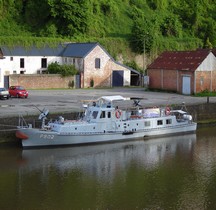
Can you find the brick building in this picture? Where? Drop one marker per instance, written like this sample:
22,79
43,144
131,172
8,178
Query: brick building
96,67
185,72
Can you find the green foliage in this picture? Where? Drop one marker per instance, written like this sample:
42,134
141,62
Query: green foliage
27,42
150,25
92,82
64,70
70,16
143,35
206,93
134,65
171,26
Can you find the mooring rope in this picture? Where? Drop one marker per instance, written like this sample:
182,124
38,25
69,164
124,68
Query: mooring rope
12,128
8,125
4,130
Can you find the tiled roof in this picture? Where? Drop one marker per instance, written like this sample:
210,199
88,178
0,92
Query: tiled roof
180,60
65,50
78,49
32,51
214,51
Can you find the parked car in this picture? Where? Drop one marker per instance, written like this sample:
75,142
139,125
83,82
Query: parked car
18,91
4,94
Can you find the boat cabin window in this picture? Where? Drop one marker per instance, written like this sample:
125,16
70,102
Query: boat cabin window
147,123
94,114
109,114
103,114
168,121
160,122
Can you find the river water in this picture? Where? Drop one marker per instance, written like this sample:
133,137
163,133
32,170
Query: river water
177,172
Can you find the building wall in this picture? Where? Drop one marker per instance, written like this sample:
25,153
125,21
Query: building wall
205,80
41,81
206,75
209,64
168,79
102,76
32,64
127,72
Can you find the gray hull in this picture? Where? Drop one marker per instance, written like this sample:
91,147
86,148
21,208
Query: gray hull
40,138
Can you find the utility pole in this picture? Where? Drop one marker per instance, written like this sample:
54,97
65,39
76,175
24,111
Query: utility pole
144,56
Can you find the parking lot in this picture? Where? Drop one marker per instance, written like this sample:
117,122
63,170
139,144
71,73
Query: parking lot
64,101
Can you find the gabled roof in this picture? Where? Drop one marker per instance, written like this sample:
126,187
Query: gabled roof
32,51
180,60
80,50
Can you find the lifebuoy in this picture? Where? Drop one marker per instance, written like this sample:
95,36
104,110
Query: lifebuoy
167,111
118,113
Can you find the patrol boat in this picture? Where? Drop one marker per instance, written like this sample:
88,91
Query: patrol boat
104,121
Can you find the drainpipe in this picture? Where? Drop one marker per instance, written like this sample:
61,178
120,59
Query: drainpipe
195,79
211,82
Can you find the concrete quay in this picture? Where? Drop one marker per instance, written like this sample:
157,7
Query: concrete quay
70,100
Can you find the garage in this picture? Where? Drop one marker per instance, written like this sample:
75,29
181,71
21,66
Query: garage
118,78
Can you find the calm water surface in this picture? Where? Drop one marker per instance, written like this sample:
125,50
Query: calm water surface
164,173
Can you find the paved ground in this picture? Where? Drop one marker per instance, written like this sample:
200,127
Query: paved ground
63,101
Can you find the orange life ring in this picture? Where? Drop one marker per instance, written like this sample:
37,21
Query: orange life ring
118,113
167,111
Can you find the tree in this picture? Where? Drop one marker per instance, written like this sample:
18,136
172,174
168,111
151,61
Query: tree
171,26
70,16
142,36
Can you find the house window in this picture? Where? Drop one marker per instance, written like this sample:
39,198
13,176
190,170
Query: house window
11,58
73,61
22,64
97,63
159,122
14,71
43,63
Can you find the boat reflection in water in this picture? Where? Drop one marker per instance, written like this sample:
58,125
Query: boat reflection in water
103,161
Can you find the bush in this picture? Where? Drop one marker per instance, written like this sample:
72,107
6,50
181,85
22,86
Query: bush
91,83
64,70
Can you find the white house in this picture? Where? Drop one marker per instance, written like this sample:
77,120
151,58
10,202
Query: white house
91,59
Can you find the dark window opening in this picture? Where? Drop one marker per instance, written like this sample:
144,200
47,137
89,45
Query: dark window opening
103,114
97,63
109,114
22,64
43,63
168,121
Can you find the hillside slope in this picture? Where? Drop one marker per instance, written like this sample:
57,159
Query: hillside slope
122,26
